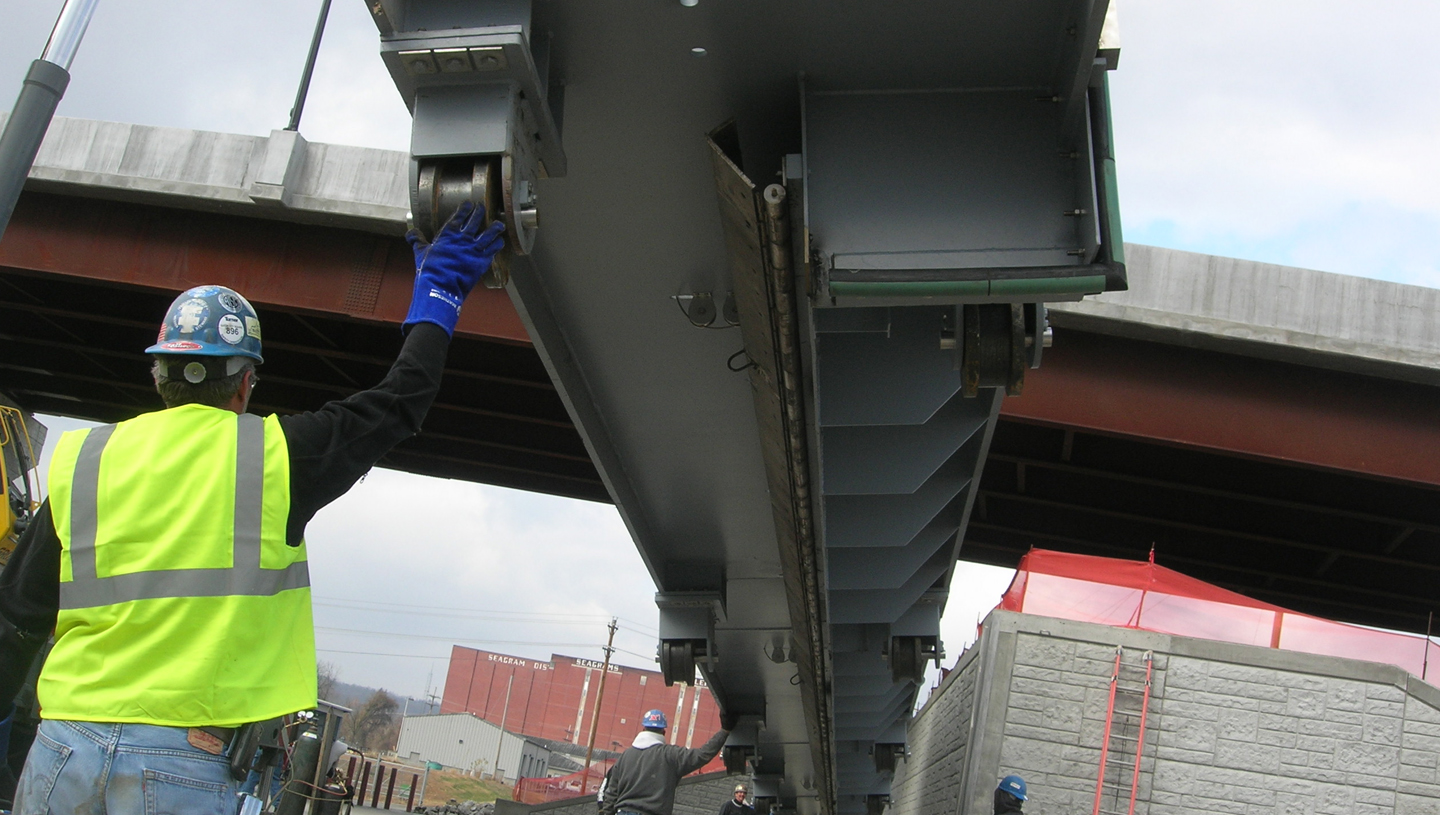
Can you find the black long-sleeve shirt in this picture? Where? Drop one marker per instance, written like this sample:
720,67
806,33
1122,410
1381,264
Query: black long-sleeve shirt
330,449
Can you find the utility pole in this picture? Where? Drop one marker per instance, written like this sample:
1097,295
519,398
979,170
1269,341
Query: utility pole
430,698
35,106
599,694
504,711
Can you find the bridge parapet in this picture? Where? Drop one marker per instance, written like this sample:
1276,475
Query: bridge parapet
325,184
1328,320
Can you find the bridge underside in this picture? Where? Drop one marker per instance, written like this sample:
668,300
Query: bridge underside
1299,486
1305,487
84,282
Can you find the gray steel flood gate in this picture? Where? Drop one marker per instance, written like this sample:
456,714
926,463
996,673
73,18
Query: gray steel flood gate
794,448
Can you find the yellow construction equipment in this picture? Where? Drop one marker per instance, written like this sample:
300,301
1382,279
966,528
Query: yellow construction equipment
19,493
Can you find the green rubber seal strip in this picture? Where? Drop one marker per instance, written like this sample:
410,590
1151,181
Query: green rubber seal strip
911,288
1088,284
1112,211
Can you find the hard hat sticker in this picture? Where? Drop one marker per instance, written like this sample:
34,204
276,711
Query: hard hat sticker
230,301
181,345
191,315
231,329
252,327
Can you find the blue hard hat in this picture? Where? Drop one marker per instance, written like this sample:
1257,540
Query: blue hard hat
1013,784
210,321
654,719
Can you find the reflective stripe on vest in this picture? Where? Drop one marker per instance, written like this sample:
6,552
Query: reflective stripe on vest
243,578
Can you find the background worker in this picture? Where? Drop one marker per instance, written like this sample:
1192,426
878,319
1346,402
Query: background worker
738,805
643,779
1010,795
170,561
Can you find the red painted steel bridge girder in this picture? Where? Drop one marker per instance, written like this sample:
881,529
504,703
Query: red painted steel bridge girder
1235,404
290,266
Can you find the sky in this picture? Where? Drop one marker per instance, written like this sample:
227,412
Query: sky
1300,133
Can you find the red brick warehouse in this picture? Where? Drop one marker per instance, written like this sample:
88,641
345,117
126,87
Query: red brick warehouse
556,699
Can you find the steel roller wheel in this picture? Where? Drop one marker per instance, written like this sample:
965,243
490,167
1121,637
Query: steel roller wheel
907,659
677,661
442,185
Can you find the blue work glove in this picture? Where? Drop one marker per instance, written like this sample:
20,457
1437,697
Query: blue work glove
447,269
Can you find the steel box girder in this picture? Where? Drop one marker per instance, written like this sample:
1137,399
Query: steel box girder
675,435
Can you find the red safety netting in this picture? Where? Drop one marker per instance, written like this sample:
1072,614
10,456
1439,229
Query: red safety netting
560,788
1140,594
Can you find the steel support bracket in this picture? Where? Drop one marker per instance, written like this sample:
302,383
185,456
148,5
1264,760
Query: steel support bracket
689,614
477,80
467,76
687,633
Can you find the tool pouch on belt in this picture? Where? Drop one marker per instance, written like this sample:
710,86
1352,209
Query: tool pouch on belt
242,749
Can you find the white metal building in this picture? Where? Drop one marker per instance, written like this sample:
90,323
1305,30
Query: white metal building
467,742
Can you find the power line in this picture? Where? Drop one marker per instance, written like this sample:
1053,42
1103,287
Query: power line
377,654
650,657
447,656
352,600
652,632
497,615
455,639
476,640
571,619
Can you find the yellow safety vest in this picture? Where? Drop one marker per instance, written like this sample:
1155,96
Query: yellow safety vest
180,603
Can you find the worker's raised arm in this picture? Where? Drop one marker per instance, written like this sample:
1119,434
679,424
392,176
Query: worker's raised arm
693,760
331,448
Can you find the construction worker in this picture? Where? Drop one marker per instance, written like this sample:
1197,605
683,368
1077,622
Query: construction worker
1010,795
738,805
170,560
642,781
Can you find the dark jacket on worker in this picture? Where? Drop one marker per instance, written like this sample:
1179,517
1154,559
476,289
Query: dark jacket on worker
643,779
732,808
1005,803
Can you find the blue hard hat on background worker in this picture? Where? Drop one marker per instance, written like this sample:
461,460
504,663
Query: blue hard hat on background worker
1010,795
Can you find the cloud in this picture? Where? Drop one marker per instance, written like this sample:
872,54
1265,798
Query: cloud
352,98
230,67
1285,132
975,590
415,541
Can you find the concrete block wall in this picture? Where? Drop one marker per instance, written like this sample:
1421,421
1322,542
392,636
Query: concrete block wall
938,740
1058,696
1232,730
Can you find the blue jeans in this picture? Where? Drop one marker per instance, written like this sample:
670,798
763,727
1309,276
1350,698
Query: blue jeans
86,768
